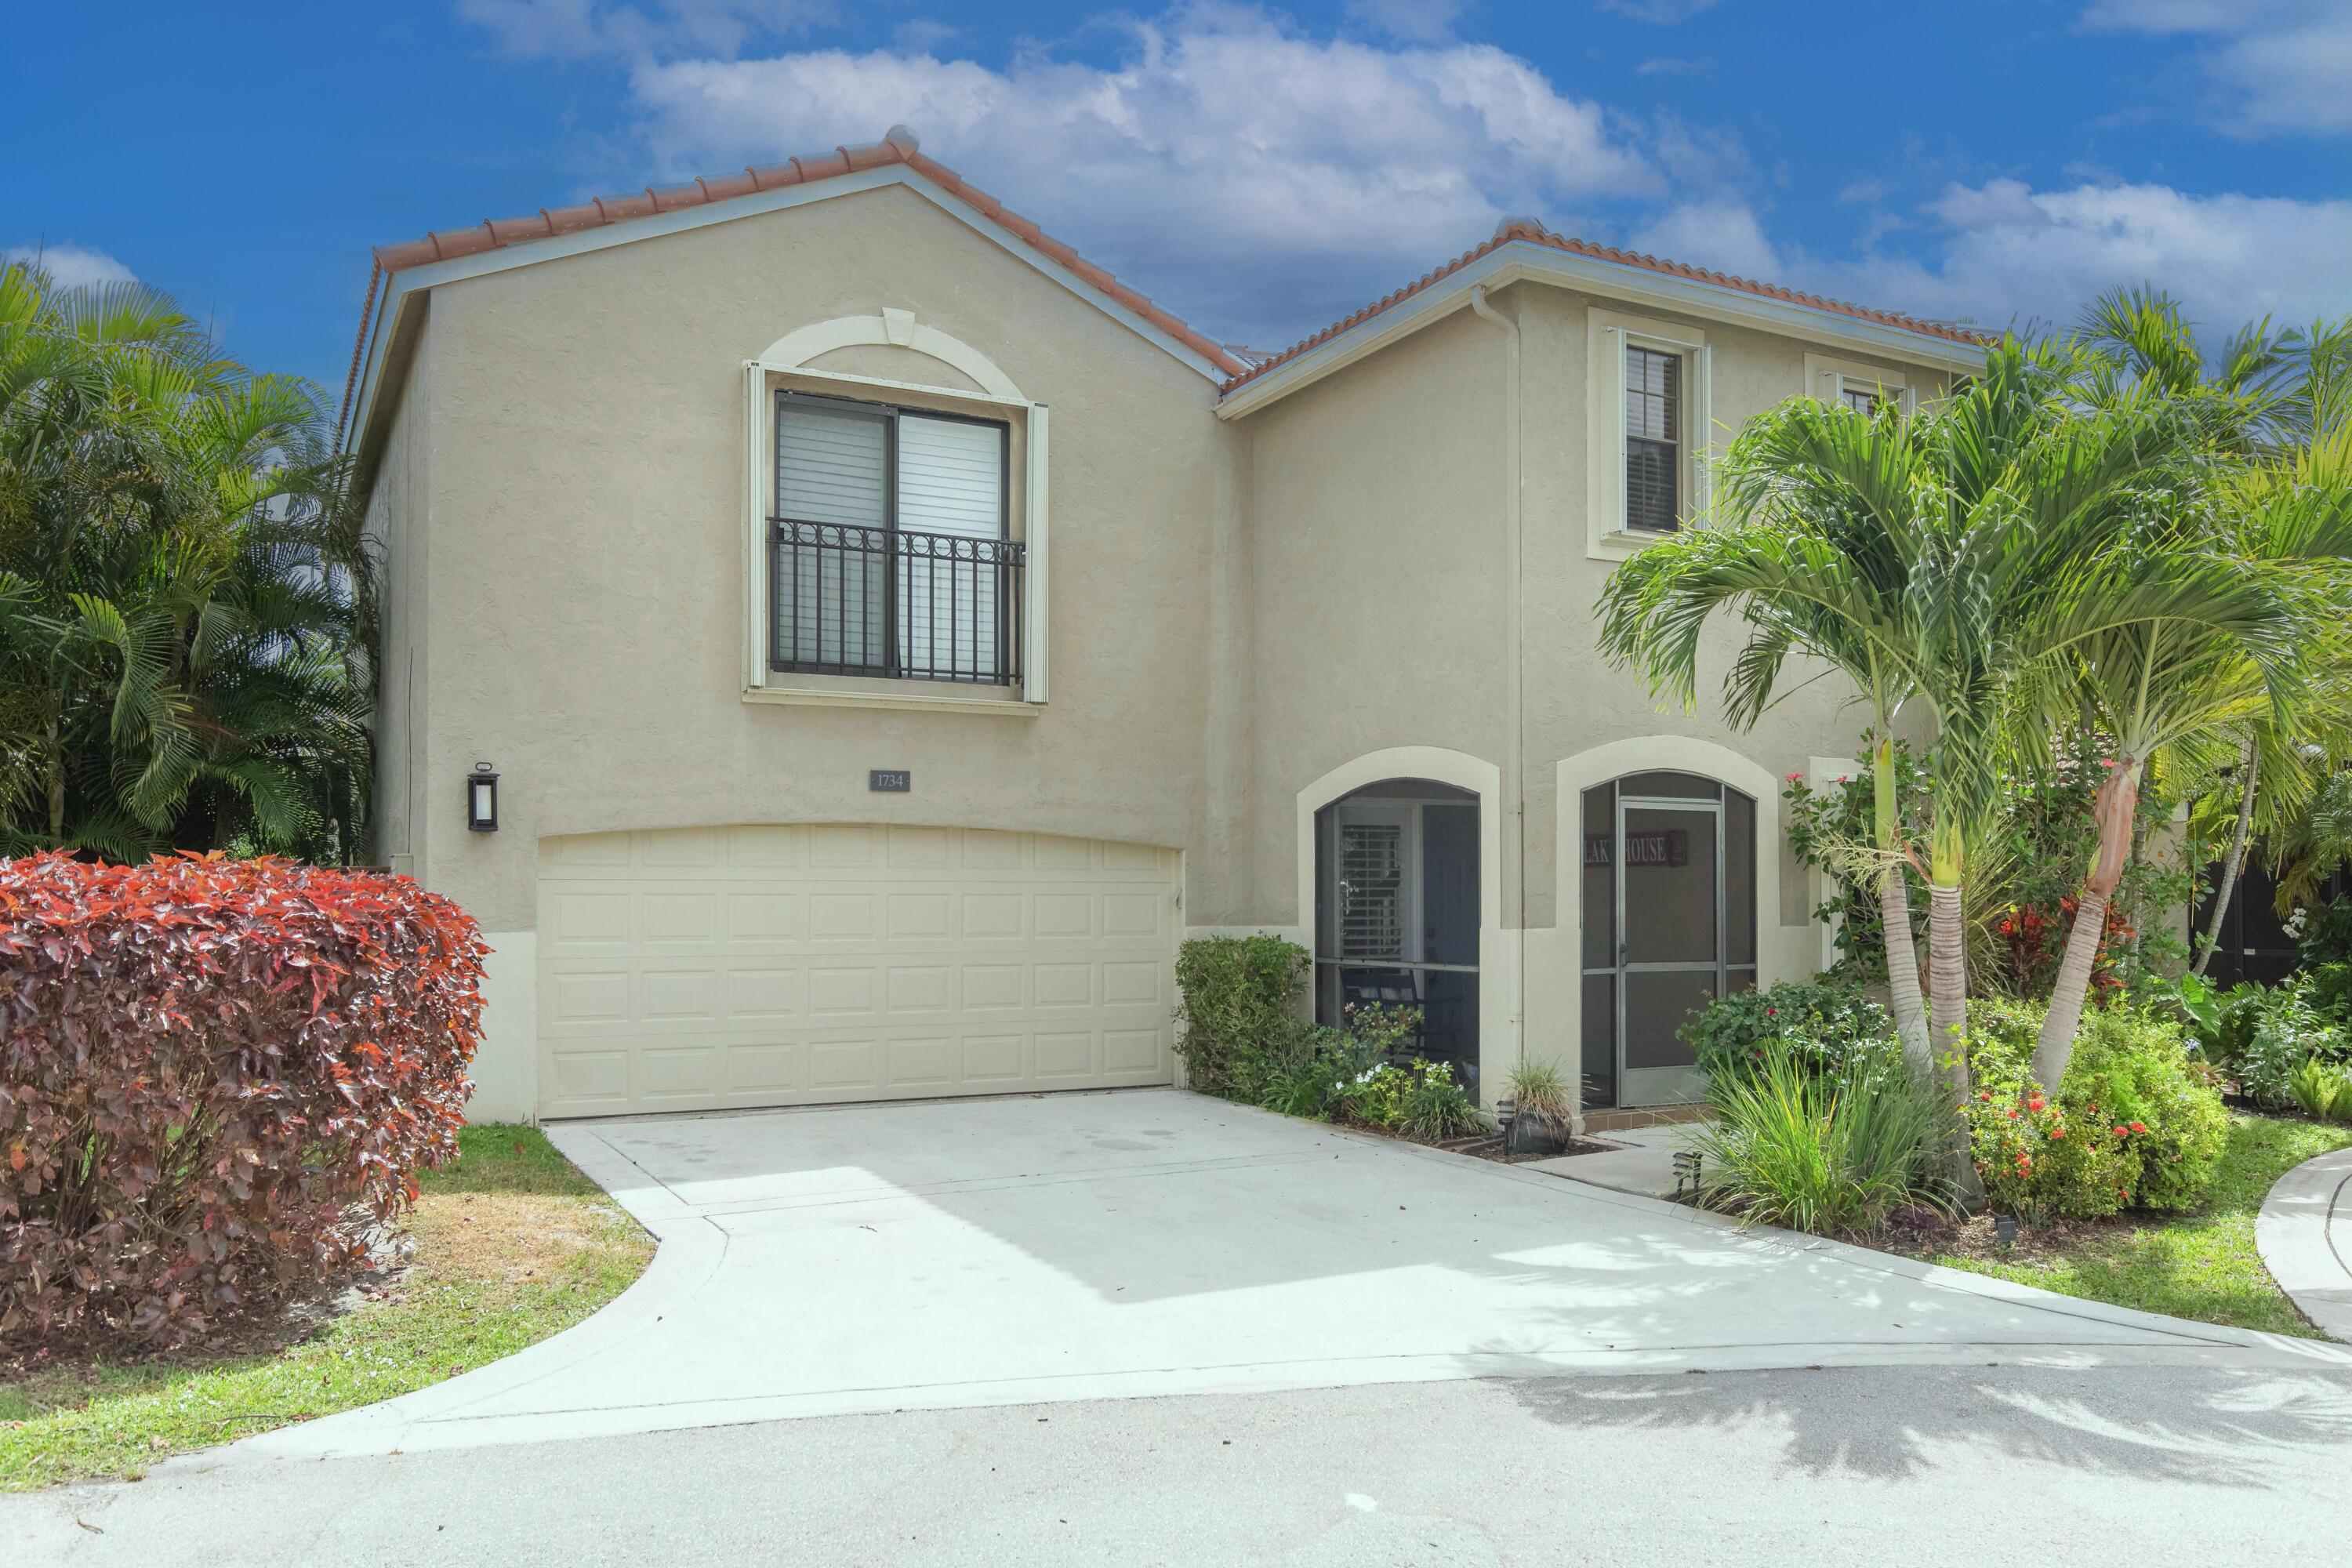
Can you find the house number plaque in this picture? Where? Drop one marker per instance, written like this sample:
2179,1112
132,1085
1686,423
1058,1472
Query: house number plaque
890,781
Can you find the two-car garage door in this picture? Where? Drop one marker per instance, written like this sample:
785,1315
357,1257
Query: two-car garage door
715,968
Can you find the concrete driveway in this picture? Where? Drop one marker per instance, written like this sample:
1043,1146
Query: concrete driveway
1085,1247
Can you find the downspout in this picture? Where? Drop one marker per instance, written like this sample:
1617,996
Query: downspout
1514,808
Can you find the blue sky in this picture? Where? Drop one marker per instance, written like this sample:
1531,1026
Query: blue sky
1259,171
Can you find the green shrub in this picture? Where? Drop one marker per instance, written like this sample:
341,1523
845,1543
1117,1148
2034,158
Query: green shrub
1241,1008
1831,1152
2323,1090
2328,988
1434,1106
2282,1031
1825,1029
2219,1022
2134,1124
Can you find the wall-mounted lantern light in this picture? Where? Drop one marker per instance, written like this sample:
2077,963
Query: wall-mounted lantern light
482,799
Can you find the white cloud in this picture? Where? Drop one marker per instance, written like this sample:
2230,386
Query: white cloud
1724,234
2278,67
576,29
71,266
1269,179
2009,253
1264,180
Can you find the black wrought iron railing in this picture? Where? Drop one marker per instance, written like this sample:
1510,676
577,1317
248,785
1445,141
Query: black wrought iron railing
847,600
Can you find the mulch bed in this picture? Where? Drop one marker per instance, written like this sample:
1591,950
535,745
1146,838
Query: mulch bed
1926,1234
1489,1146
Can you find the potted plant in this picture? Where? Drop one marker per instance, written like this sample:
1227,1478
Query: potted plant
1543,1115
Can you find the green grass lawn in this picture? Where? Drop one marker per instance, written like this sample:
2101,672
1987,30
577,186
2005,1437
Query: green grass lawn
512,1245
2200,1265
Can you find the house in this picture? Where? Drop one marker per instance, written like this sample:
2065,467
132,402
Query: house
838,641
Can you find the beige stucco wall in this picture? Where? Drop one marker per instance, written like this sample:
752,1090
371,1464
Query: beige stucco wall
582,597
1378,532
399,529
1239,607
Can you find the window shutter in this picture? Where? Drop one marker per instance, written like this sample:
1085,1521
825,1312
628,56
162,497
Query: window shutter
1612,397
1036,558
951,483
831,466
1699,422
833,491
950,477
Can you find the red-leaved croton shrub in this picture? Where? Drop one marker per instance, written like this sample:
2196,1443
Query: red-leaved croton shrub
214,1075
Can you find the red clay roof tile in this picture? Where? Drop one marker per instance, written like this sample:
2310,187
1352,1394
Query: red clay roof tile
1523,229
898,147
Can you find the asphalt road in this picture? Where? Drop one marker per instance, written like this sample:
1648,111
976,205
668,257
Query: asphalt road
1861,1465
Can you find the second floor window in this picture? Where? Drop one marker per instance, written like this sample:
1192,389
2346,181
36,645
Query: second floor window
888,553
1654,439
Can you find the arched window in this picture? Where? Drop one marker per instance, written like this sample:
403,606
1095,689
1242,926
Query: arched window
1669,924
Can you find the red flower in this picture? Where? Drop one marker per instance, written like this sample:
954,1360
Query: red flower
2034,1104
2139,1126
2056,1134
2013,1116
2122,1131
1984,1094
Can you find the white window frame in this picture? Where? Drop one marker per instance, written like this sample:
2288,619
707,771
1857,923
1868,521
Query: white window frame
783,367
1608,334
1827,378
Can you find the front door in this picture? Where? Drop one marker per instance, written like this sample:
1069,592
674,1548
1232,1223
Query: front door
1668,928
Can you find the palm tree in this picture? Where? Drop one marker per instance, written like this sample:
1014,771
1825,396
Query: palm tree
1955,557
1801,556
184,601
2260,559
2279,771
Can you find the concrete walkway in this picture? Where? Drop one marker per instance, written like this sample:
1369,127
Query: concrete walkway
875,1258
1641,1163
2305,1235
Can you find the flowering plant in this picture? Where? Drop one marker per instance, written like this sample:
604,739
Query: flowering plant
2134,1126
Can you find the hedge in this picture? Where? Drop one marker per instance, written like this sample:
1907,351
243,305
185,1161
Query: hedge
216,1077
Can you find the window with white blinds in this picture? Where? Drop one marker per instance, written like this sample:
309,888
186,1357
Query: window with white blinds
950,481
1371,891
887,556
832,582
1654,439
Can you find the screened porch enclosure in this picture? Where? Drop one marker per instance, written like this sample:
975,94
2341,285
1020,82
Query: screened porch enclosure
1396,914
1669,924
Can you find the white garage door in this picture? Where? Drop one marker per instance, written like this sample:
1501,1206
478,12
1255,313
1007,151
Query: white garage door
712,968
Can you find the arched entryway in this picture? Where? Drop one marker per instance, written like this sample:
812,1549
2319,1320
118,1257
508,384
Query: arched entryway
1398,911
1669,923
